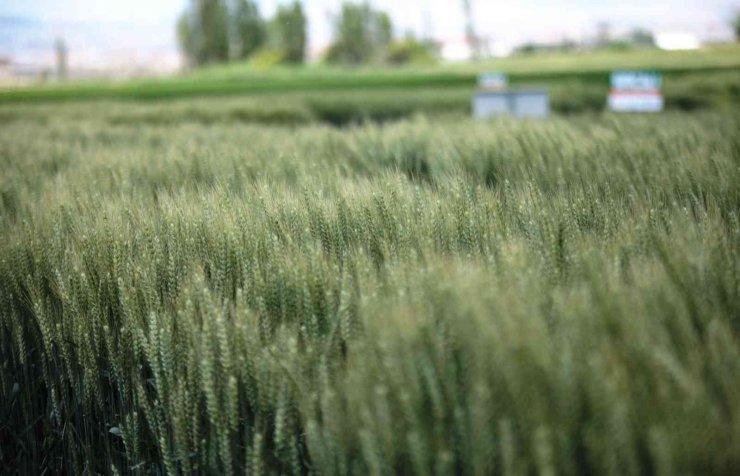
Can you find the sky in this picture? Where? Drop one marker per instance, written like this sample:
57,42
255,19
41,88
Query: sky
129,33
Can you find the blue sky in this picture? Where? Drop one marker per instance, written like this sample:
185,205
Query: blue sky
125,31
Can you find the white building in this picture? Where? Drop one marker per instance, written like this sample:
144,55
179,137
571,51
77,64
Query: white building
676,41
461,49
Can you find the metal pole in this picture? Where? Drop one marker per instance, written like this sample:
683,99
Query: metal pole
472,38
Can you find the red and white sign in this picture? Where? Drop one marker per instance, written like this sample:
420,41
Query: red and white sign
636,91
636,101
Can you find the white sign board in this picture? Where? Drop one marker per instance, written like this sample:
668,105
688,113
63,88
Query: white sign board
520,104
636,102
496,81
636,91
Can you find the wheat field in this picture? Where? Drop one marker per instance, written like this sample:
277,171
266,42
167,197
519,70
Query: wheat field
422,297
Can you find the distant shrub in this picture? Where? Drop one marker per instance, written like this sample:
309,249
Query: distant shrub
266,58
577,97
289,114
410,51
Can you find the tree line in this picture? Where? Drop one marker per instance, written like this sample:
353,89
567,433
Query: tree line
217,31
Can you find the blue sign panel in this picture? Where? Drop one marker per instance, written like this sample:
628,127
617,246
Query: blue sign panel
636,81
493,81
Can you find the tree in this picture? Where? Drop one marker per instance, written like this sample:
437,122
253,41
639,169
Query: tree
361,34
186,36
382,29
209,31
411,50
60,48
736,25
641,37
289,26
202,32
213,44
248,28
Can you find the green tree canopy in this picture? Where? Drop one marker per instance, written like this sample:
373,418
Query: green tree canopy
289,26
642,37
212,44
248,28
186,36
212,31
361,34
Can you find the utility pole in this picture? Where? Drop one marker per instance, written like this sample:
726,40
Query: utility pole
61,52
471,37
427,26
